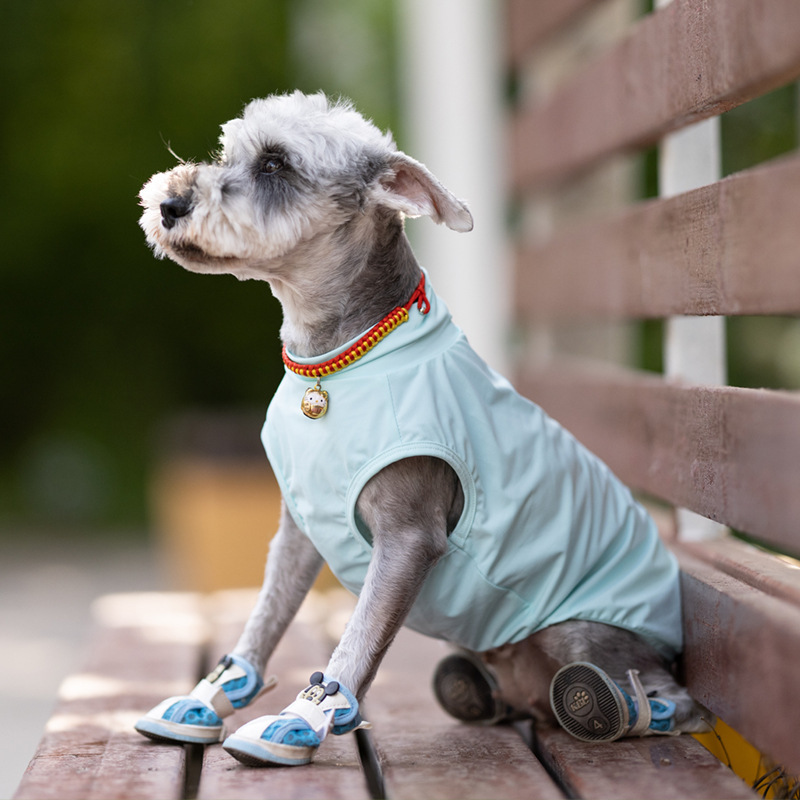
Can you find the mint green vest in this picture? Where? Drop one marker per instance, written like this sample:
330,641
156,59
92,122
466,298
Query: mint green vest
547,533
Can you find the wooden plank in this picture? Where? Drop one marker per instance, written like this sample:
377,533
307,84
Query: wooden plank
729,248
729,454
336,771
144,648
742,652
774,575
425,753
670,768
528,23
685,62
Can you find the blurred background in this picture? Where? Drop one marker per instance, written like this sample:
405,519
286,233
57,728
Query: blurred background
132,392
112,361
100,342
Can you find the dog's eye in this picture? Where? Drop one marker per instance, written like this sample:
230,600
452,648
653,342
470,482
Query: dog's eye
271,164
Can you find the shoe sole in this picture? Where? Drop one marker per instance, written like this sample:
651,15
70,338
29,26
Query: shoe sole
587,704
464,692
266,754
165,731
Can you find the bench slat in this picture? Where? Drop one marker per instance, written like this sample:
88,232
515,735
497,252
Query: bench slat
728,248
685,62
144,648
727,453
420,745
670,768
336,771
742,652
750,565
93,764
528,23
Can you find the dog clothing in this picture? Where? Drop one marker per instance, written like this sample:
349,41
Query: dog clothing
547,533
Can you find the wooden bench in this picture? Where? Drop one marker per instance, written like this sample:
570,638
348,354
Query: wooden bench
147,646
594,89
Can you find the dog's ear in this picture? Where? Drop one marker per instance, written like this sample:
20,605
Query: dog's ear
409,187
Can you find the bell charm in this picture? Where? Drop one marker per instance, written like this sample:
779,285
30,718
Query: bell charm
315,402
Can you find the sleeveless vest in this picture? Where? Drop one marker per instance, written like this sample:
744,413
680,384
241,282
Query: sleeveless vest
547,533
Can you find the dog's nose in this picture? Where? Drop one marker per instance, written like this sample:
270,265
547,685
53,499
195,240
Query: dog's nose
172,209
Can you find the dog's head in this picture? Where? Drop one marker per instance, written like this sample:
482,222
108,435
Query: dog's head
293,169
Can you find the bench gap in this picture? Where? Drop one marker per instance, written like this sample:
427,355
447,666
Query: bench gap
194,767
371,765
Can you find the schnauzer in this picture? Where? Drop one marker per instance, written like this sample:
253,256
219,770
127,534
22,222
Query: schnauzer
438,495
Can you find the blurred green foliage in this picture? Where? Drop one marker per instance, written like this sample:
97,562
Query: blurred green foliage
98,340
763,351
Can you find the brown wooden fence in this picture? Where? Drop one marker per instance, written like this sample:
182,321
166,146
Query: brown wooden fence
729,248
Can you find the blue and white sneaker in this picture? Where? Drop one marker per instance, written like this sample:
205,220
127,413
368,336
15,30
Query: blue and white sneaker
592,707
196,718
292,737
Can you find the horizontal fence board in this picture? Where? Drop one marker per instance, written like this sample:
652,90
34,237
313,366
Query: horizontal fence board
685,62
734,633
729,454
529,23
729,248
774,575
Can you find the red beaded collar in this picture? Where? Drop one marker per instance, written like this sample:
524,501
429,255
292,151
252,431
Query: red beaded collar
366,342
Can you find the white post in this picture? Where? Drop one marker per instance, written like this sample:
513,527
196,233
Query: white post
454,123
694,350
695,346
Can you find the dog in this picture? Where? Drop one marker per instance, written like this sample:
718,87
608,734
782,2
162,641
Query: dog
443,499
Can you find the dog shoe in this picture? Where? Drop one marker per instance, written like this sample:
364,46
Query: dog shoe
467,690
292,737
592,707
196,718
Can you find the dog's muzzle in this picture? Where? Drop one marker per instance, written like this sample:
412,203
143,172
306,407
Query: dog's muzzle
172,209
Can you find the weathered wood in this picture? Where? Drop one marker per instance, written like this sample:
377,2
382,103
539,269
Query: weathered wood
145,647
528,23
149,647
670,768
773,575
729,248
336,771
742,652
685,62
425,753
729,454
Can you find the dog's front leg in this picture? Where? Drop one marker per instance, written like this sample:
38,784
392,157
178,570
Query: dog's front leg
292,566
402,558
409,508
197,718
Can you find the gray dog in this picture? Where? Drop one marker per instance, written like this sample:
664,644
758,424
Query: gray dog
436,493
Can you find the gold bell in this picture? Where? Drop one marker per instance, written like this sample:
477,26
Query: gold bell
315,402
